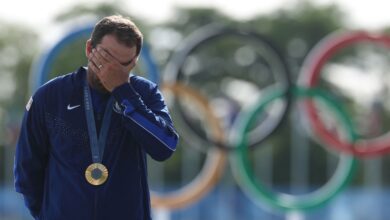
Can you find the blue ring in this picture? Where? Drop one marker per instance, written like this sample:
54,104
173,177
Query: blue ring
40,71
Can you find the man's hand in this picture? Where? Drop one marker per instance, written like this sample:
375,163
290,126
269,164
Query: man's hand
110,72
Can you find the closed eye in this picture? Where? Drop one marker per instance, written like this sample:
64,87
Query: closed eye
127,63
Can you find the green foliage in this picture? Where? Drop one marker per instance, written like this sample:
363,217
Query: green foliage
187,20
18,45
305,21
70,58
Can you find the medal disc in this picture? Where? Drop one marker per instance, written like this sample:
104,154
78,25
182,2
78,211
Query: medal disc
96,174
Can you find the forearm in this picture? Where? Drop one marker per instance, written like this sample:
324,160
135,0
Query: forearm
153,128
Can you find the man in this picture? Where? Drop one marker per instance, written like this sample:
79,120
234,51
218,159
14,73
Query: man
82,149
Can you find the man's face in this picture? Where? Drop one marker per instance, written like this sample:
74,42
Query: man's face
120,52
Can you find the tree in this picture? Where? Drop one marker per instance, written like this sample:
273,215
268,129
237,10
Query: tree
18,45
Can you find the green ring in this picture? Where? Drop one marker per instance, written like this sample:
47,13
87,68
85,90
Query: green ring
258,192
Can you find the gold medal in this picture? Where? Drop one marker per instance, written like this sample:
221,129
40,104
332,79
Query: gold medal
96,174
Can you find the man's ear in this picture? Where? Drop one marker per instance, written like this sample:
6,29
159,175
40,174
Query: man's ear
88,47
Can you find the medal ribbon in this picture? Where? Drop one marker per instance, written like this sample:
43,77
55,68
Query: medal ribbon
97,144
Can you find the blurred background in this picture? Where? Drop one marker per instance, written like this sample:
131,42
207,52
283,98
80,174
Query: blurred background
232,74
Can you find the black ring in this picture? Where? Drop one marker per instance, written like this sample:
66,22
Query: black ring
208,34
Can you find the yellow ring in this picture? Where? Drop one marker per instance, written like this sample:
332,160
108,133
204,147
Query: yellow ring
213,167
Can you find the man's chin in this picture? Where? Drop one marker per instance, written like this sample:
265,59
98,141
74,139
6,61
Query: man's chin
101,88
96,84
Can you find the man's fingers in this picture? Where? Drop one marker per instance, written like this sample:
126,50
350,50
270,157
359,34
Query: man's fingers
97,58
93,66
103,55
94,63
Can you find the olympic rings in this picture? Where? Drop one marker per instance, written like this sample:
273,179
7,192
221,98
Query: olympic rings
270,55
256,190
214,165
216,158
309,77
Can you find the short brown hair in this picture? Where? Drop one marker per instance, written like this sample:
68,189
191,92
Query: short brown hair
123,28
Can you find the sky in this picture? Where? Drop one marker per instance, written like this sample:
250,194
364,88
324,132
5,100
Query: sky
38,14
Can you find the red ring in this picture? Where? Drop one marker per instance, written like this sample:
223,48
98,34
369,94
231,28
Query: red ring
309,77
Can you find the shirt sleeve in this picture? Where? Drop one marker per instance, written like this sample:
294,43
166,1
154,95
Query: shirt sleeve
147,117
31,157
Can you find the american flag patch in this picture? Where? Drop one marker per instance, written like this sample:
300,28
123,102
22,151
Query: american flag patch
29,103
